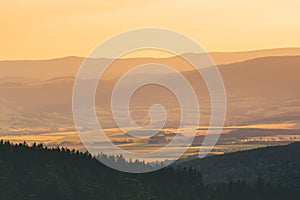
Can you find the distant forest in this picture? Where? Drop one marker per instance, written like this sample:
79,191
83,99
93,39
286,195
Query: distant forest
38,172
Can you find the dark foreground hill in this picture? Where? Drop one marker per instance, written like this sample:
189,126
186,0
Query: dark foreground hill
276,164
40,173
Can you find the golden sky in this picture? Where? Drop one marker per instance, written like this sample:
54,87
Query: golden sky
35,29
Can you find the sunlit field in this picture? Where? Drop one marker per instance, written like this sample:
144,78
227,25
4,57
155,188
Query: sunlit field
71,140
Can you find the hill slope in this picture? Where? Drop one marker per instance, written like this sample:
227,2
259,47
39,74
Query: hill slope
40,173
277,164
262,90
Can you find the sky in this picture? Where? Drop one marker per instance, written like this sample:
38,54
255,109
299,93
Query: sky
35,29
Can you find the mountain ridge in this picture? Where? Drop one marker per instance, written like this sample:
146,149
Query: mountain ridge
68,66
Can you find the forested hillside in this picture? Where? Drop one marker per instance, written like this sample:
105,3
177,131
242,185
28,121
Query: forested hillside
276,164
38,172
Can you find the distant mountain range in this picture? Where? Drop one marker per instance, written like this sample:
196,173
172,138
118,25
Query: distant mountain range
33,70
260,90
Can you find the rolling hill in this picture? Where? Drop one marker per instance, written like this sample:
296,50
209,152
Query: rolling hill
276,164
34,70
261,90
37,172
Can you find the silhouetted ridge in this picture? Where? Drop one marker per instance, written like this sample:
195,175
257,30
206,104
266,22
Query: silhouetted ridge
38,172
274,164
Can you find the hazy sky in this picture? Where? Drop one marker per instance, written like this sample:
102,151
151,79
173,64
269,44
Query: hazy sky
34,29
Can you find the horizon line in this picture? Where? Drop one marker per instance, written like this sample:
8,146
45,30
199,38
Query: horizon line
145,57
